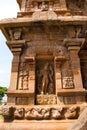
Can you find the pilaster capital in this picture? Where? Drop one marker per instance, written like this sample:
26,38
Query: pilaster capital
74,43
16,46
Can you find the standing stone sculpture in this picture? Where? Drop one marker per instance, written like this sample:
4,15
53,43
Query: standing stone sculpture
47,77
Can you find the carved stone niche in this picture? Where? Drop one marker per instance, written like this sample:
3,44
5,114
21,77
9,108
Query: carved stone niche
45,76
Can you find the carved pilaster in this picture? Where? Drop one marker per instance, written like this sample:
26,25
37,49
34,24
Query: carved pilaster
23,6
16,48
31,61
14,73
74,46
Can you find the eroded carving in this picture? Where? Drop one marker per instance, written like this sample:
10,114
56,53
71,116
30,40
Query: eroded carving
39,113
15,34
19,113
8,112
68,79
68,82
23,76
46,99
56,113
45,113
43,5
72,113
33,113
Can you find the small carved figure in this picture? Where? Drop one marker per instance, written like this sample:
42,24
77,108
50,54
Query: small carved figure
68,82
45,78
19,113
44,6
15,34
25,80
23,76
72,113
56,113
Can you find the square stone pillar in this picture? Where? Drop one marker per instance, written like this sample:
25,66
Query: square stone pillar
16,48
14,76
74,46
14,72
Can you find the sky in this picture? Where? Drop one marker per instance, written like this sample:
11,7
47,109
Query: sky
8,9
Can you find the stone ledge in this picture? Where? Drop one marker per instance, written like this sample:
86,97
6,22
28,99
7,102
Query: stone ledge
37,125
68,92
27,21
19,93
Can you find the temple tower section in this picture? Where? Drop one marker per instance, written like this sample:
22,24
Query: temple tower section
48,40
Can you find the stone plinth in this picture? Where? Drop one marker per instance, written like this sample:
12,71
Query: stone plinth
36,125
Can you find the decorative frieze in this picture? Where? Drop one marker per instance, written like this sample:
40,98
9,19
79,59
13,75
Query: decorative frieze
40,113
